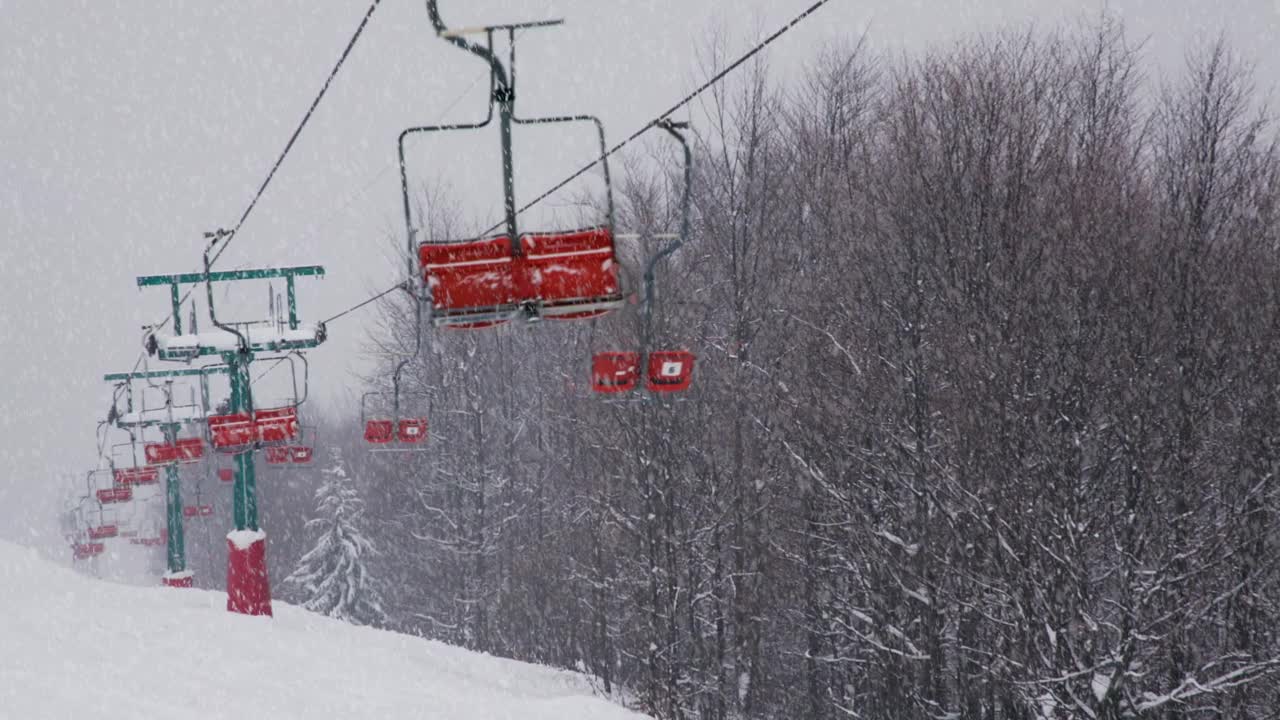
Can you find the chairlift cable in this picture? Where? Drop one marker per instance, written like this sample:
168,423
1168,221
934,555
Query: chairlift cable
364,22
663,116
279,161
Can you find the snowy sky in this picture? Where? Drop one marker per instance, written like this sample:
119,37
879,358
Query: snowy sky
129,127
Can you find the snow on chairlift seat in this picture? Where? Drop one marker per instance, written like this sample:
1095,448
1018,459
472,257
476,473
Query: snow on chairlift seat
570,275
239,431
184,450
480,283
472,284
268,336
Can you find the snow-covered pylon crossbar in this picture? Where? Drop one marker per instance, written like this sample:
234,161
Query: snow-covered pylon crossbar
267,337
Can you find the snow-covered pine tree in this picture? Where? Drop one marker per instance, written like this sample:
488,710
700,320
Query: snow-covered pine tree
332,578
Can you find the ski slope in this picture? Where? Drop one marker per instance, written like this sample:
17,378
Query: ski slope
75,647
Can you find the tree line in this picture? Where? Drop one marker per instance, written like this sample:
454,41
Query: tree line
983,422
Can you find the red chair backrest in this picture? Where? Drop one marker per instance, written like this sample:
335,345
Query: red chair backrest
276,425
123,493
571,273
184,450
103,531
469,275
379,431
233,431
301,454
670,370
137,476
190,511
188,449
411,430
226,474
278,455
84,550
614,372
158,453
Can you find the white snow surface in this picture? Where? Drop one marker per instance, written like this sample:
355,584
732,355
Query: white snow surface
76,647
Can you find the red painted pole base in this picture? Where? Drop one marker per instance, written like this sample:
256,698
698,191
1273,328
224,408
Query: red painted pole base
248,591
184,579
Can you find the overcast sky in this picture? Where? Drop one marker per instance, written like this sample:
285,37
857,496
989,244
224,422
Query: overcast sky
129,127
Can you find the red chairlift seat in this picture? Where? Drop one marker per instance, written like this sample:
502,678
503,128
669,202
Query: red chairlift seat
472,284
136,476
239,431
411,430
103,531
301,454
123,493
184,450
192,511
615,372
232,432
226,474
276,425
379,432
278,455
569,275
670,370
560,275
88,550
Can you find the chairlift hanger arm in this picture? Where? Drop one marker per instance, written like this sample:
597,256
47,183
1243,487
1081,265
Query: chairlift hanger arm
503,94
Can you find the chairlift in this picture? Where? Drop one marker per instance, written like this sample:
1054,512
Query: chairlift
111,495
666,371
391,428
487,281
240,432
84,551
137,476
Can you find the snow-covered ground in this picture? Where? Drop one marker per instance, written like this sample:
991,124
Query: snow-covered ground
75,647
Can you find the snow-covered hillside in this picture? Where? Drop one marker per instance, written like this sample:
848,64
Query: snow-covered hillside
75,647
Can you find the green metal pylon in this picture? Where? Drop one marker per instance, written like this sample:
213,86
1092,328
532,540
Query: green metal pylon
175,548
245,495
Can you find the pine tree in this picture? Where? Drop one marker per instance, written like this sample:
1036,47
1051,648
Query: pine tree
332,578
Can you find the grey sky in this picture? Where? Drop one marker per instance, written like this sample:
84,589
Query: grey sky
128,127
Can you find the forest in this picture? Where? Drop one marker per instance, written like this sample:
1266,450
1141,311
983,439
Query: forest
983,422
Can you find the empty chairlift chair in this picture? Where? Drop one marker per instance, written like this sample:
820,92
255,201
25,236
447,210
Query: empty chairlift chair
472,284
